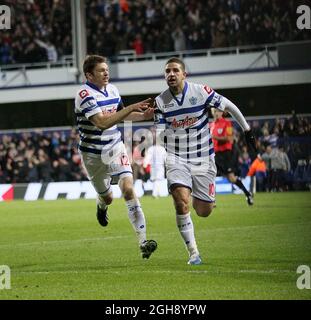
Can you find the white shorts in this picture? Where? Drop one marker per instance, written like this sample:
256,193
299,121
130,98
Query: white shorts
199,179
103,173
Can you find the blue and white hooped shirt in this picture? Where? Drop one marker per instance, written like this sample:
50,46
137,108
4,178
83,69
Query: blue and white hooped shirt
184,118
89,101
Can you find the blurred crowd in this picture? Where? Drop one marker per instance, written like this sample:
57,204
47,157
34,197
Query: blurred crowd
283,162
40,31
284,159
146,26
40,157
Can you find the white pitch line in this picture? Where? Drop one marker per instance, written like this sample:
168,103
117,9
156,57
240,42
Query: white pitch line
213,230
152,271
47,242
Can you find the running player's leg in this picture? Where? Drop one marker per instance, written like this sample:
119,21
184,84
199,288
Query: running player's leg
121,167
135,212
203,195
136,215
203,188
180,184
103,201
220,170
181,196
98,175
225,166
237,181
202,208
203,192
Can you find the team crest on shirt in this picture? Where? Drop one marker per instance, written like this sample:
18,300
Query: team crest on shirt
193,100
84,93
219,130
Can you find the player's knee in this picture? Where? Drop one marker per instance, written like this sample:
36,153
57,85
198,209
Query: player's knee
204,212
181,206
108,199
128,193
181,200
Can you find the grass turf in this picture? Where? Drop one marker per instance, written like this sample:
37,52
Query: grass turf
57,250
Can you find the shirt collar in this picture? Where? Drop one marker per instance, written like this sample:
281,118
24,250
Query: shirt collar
93,86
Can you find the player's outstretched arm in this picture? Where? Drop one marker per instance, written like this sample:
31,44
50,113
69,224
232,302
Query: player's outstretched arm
238,116
141,116
105,121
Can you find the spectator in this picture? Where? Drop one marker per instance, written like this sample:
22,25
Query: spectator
29,156
138,45
5,54
4,178
179,39
36,20
278,164
259,170
245,162
230,23
51,52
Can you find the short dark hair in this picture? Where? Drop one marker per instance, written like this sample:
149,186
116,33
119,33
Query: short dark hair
177,60
91,61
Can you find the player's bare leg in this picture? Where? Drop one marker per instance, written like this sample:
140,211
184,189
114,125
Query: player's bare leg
181,196
202,208
136,216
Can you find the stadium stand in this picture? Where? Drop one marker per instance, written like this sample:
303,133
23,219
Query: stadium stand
118,26
39,34
132,27
52,155
40,156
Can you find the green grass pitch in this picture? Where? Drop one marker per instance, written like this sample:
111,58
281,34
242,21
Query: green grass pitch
57,250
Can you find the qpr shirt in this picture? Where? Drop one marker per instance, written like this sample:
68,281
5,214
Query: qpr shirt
184,119
89,101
